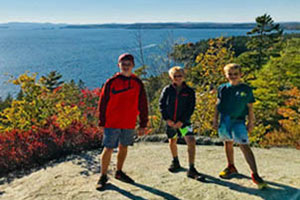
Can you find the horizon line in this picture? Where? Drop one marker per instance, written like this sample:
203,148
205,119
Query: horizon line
127,23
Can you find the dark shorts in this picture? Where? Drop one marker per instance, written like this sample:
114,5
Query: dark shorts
184,131
113,137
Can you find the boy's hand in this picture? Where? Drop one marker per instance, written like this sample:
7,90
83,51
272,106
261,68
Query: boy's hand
101,129
141,131
250,127
178,124
170,123
215,124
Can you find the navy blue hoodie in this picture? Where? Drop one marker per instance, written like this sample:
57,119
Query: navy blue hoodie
177,106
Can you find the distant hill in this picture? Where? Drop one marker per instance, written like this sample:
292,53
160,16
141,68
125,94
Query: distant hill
285,25
175,25
30,25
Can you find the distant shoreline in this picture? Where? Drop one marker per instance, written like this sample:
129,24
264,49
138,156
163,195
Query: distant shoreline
287,26
167,25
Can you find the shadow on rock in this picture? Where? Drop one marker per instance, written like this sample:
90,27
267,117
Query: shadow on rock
155,191
274,191
89,160
129,195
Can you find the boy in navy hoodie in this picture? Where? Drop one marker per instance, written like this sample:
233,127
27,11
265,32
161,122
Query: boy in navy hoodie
177,104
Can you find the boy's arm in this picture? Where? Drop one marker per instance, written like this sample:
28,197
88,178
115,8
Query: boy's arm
216,116
143,107
163,104
102,104
251,117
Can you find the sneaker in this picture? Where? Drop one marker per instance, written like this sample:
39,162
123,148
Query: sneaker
193,173
120,175
102,182
258,181
174,167
228,172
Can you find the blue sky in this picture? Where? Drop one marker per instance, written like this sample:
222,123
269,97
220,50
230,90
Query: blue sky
130,11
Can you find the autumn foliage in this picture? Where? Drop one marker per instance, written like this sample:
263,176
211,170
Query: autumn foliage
289,132
47,123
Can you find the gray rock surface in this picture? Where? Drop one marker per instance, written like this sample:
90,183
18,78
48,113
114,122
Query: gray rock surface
75,177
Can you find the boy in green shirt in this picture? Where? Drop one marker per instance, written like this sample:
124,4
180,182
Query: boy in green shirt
235,102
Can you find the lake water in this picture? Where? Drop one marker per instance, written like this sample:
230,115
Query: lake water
86,54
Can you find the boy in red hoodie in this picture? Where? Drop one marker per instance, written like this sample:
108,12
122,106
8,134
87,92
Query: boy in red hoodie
122,99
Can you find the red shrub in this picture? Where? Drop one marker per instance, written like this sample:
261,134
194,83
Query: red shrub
23,149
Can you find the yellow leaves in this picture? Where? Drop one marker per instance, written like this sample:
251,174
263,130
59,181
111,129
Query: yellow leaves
209,68
199,58
16,82
38,105
204,111
66,114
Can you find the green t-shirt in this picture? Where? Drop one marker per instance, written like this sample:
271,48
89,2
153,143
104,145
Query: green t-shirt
233,100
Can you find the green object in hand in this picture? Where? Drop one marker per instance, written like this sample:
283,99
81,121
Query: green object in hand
185,130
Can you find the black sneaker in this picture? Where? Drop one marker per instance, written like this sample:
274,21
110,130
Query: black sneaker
174,167
194,174
102,182
120,175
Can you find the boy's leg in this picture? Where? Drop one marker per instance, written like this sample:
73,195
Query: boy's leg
172,137
173,147
110,141
225,134
122,153
230,169
126,139
192,172
241,137
249,156
105,160
175,165
228,145
191,143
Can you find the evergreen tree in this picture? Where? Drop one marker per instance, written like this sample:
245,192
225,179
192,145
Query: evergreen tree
263,37
52,80
279,74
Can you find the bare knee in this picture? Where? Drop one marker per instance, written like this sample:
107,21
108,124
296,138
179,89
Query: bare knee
172,142
108,150
190,141
245,148
122,147
228,143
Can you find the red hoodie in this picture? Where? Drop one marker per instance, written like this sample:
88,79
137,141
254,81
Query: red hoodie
122,99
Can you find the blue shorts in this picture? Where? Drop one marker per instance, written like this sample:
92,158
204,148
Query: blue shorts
233,130
113,136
